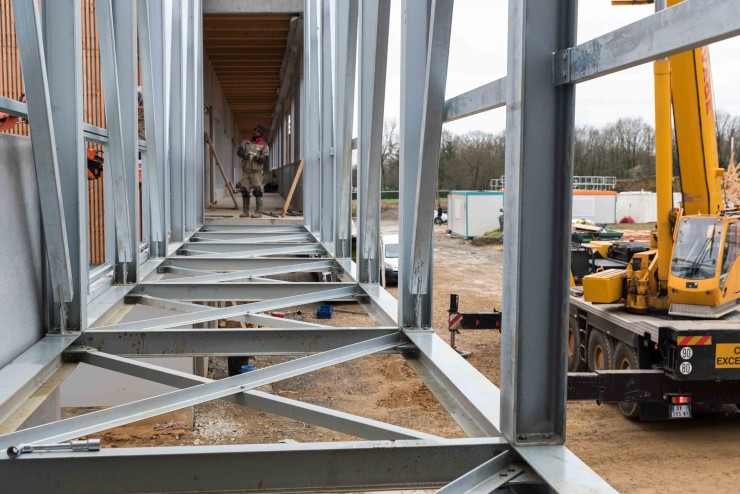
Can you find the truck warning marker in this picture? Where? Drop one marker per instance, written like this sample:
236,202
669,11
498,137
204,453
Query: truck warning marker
694,340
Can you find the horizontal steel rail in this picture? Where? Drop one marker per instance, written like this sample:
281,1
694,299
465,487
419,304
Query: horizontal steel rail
486,97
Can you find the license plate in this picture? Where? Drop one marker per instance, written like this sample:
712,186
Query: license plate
680,411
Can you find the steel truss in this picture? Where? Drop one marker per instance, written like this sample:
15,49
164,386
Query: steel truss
516,433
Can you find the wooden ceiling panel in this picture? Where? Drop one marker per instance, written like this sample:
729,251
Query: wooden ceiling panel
246,53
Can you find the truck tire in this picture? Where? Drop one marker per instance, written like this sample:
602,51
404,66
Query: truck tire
600,351
625,358
575,359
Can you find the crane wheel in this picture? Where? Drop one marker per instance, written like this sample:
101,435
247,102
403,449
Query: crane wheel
600,351
625,358
575,359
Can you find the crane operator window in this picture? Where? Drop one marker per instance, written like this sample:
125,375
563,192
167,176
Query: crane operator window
697,248
730,251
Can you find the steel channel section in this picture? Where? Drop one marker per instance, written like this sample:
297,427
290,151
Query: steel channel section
247,235
471,399
314,266
126,61
227,263
153,136
116,155
198,140
300,237
13,107
226,342
420,277
157,38
190,112
563,471
374,26
314,467
268,303
177,115
345,25
539,170
231,229
63,50
230,247
326,200
305,412
312,184
486,97
33,66
253,318
20,378
680,28
297,250
414,38
149,407
487,477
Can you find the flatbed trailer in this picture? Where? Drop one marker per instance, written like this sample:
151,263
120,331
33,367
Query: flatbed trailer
661,365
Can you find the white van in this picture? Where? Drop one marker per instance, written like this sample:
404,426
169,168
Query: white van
389,253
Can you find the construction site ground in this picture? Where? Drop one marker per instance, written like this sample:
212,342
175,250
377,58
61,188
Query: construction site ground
698,455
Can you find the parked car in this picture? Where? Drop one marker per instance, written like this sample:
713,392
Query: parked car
440,220
389,254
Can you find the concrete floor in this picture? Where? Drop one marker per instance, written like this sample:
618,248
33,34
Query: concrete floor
272,208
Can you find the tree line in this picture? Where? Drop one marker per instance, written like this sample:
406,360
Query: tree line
624,149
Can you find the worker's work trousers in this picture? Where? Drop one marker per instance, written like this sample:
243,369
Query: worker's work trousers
251,180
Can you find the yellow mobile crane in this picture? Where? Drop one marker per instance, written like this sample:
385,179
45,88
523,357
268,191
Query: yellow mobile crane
689,269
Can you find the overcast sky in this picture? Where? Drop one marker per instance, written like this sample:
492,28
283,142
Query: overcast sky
478,56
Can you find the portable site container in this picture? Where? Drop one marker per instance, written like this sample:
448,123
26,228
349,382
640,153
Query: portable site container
472,213
598,206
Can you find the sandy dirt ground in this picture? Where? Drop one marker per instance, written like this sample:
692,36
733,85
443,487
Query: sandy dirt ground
694,456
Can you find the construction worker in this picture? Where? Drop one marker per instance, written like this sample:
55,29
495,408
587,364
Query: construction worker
254,153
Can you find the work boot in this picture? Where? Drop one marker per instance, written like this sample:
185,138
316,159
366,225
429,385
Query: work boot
258,208
245,207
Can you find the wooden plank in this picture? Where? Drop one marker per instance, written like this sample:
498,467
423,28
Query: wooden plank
292,188
229,185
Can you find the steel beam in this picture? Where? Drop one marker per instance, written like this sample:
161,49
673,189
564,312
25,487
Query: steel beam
285,407
291,300
154,141
116,157
488,477
310,266
312,123
345,26
63,50
680,28
13,107
326,199
252,318
23,376
314,467
264,239
414,37
214,292
539,170
471,400
226,342
244,253
177,113
149,407
374,26
249,235
563,471
420,276
228,263
483,98
33,66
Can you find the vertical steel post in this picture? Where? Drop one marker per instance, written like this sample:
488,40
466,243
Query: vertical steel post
327,128
312,156
63,50
154,145
414,38
420,277
345,23
189,113
200,202
116,156
158,34
177,87
124,32
374,25
539,169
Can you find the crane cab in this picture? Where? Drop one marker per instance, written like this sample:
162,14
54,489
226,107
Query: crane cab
704,273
